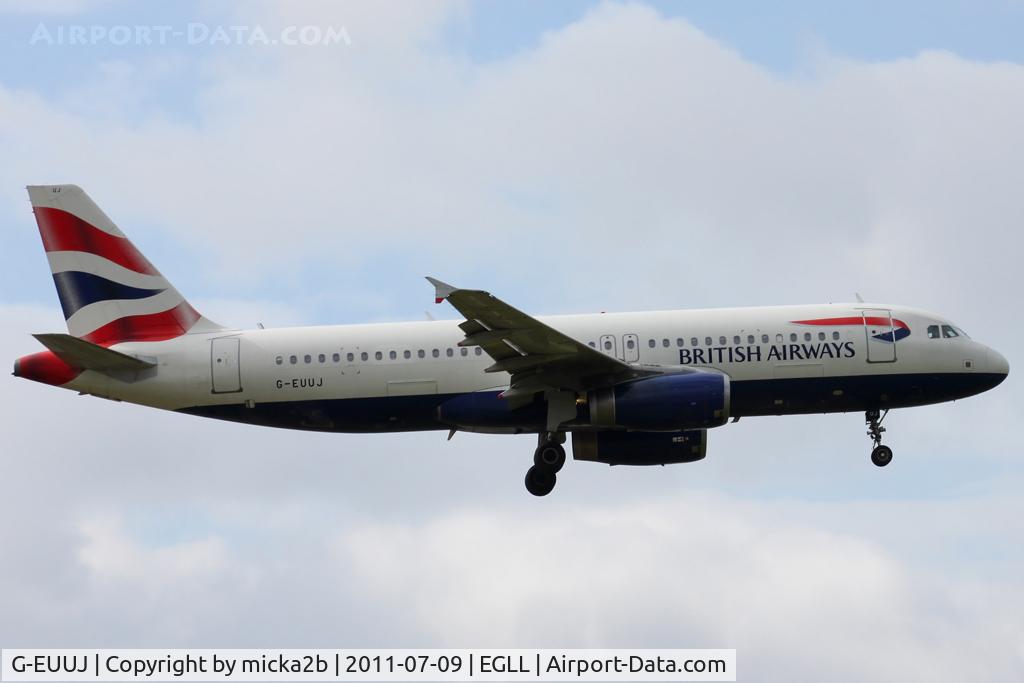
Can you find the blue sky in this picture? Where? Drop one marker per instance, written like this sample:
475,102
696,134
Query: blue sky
569,157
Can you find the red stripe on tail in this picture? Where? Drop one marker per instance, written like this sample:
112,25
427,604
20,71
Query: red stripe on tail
152,327
45,367
63,231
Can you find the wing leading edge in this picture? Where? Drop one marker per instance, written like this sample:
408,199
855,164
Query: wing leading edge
539,357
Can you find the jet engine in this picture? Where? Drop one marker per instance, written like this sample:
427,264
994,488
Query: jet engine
669,403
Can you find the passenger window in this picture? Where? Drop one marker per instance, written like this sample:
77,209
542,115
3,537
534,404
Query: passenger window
322,358
479,350
421,354
707,341
835,334
630,344
435,353
607,346
336,357
792,336
651,343
393,355
679,341
665,342
821,336
350,357
592,345
764,338
933,332
721,341
948,332
407,354
464,351
778,338
750,339
736,340
807,336
308,358
293,360
693,341
448,352
379,355
364,356
279,360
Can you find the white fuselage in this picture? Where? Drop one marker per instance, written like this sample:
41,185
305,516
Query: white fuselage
787,362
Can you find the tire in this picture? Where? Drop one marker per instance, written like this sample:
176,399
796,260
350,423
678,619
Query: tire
881,456
539,481
550,457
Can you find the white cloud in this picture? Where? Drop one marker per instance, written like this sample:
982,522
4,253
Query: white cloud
793,597
638,132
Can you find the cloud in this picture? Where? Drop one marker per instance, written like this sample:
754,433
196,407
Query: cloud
627,142
794,598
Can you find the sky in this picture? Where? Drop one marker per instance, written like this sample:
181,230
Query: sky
569,157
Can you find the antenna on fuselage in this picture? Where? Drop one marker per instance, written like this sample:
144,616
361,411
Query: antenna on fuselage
860,299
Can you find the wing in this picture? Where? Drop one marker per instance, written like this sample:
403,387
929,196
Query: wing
537,356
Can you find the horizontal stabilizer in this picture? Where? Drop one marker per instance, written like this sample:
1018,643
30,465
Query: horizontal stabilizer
79,353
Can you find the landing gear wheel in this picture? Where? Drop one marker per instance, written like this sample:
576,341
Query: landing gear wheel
549,456
540,481
881,456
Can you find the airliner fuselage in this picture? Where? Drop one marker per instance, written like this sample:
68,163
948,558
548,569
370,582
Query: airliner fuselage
632,388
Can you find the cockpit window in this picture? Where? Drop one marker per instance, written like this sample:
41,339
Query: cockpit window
933,332
948,332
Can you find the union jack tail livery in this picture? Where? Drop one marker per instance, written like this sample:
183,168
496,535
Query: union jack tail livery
109,291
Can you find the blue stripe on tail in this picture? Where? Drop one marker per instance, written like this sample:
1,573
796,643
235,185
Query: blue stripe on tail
77,290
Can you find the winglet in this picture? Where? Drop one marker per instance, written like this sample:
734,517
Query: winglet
441,289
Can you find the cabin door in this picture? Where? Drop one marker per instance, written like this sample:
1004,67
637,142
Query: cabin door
880,334
224,367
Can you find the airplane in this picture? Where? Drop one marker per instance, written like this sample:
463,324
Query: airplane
630,388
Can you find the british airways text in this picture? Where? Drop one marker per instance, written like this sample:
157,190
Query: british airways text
756,354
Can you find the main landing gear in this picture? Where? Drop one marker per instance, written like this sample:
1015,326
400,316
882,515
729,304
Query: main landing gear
880,455
548,459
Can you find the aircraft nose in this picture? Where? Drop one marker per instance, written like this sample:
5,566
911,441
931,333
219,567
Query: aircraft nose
997,363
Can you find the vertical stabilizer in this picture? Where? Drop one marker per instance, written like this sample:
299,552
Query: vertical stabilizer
109,291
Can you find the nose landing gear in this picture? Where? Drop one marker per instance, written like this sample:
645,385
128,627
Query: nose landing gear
881,455
548,459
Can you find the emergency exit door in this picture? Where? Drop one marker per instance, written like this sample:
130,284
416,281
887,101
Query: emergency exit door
609,345
224,367
630,348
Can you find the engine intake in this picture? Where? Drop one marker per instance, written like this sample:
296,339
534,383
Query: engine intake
697,400
640,448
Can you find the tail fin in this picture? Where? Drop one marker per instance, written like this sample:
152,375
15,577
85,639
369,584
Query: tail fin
109,292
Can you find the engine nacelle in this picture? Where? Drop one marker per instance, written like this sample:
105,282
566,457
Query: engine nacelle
640,448
697,400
